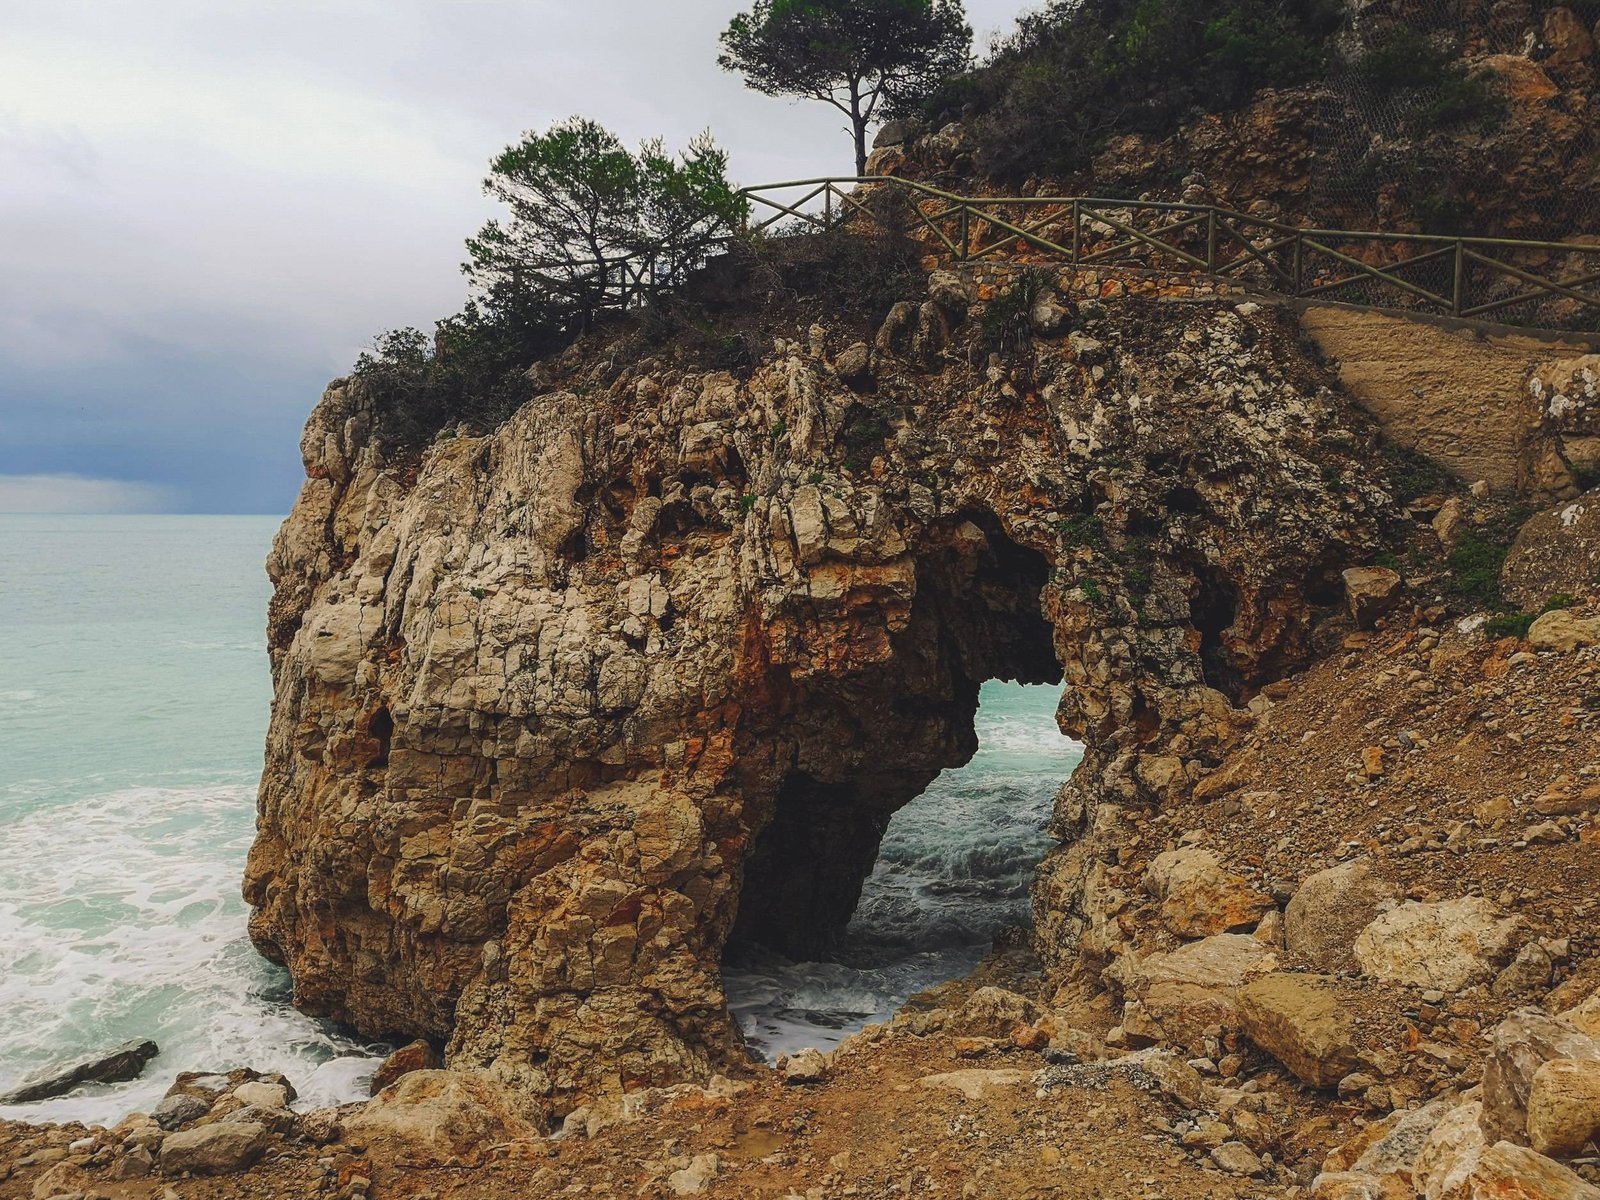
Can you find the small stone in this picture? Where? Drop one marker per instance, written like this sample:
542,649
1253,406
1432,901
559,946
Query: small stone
417,1056
1354,1084
1370,593
1237,1159
1563,631
178,1109
696,1177
806,1067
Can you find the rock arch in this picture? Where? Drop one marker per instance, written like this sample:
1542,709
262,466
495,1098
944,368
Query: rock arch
596,763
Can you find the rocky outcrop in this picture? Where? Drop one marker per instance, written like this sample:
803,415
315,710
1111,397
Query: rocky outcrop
125,1062
562,708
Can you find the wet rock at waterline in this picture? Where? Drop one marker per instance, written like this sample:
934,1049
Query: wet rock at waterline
125,1062
557,704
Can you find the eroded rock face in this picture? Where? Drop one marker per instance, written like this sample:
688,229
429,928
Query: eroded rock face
564,707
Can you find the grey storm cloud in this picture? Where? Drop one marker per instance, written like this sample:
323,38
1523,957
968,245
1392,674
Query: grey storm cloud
209,206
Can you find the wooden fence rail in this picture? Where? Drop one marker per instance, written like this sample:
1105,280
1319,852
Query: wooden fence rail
1534,284
1540,284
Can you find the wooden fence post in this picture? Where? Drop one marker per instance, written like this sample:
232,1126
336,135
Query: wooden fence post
1458,289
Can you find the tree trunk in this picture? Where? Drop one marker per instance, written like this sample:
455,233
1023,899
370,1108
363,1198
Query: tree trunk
858,123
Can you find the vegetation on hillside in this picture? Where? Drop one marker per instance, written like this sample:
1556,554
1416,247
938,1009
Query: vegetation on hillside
1079,71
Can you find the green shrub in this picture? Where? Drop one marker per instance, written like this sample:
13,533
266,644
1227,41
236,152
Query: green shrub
1474,566
1085,529
472,370
1517,624
1479,555
1425,78
1506,625
1008,318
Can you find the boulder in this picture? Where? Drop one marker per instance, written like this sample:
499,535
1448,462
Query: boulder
1180,996
1329,909
1585,1017
261,1094
178,1109
431,1117
1346,1185
1520,1045
808,1066
126,1062
213,1149
854,365
1237,1159
1199,898
1556,553
1393,1156
1370,593
949,291
1449,945
1302,1021
1507,1172
1450,1152
1564,1107
1527,976
974,1083
993,1012
1566,37
696,1177
418,1056
1562,632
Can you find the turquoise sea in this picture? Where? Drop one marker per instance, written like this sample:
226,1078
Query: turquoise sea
133,707
134,698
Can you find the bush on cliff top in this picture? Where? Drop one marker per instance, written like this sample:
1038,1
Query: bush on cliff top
585,216
1082,71
472,370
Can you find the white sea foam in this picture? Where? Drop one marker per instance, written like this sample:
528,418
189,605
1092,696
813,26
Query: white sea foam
122,919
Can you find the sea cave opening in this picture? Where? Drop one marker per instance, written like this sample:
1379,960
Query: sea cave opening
904,840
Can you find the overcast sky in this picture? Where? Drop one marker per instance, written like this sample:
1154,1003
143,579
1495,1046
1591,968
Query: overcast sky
208,207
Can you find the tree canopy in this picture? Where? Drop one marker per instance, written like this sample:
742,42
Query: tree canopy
861,56
584,210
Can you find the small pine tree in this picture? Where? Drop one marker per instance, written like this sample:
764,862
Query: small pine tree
857,55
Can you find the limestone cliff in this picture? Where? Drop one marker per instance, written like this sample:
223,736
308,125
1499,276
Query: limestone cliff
563,707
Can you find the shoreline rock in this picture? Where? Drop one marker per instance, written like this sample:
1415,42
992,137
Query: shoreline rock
126,1062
